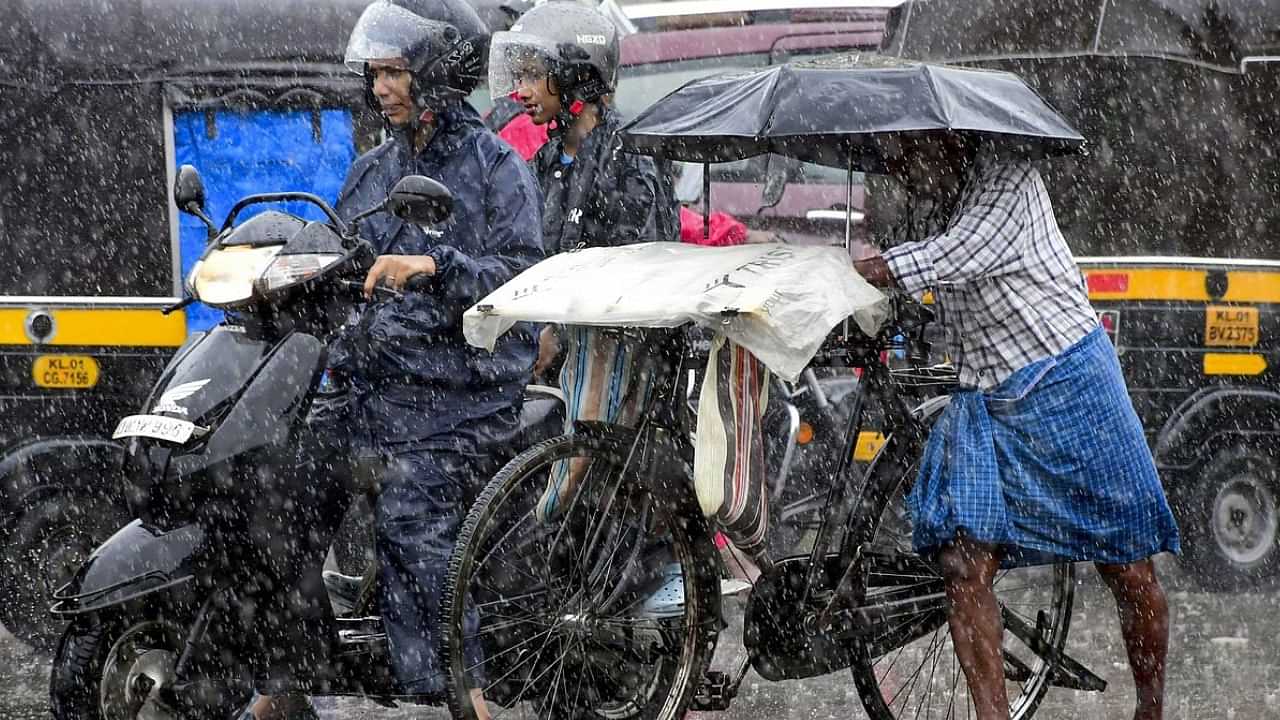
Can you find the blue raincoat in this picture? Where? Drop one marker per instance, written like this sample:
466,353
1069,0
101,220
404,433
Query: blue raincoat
416,379
439,411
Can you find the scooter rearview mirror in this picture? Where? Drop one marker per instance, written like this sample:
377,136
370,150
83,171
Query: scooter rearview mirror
188,189
188,195
420,200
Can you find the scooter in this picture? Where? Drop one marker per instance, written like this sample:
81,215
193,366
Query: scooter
235,507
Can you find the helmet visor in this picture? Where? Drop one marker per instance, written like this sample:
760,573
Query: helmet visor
516,57
388,32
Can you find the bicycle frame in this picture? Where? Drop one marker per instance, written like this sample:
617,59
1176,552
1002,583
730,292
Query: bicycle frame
662,437
807,615
668,412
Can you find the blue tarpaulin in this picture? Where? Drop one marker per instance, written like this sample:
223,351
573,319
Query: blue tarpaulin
240,153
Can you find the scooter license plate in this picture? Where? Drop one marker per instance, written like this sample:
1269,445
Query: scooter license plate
157,427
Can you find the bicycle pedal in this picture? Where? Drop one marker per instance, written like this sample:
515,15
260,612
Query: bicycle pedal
715,693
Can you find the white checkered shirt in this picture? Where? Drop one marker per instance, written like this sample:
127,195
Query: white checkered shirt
1008,288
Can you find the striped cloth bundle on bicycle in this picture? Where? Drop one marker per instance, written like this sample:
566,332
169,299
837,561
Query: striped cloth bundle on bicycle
608,376
728,465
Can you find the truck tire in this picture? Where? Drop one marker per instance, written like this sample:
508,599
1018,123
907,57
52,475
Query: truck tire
1231,521
46,544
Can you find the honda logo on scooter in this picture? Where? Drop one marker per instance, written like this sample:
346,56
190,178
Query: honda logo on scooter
169,400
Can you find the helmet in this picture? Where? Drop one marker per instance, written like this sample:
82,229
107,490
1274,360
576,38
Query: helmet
444,43
575,45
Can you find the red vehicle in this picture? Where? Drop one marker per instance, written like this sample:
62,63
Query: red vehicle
677,42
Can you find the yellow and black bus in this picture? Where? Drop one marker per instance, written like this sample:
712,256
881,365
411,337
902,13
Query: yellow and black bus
1199,343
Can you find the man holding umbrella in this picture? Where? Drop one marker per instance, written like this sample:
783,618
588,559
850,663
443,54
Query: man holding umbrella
1040,456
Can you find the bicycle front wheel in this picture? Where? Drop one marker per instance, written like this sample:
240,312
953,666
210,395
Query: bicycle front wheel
606,607
905,666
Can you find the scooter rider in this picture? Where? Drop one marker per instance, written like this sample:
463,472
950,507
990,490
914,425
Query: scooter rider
431,407
560,61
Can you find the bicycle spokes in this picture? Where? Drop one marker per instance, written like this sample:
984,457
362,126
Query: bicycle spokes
558,599
905,663
907,634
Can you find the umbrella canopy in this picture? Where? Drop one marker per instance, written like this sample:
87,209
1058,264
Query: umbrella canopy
832,111
1217,33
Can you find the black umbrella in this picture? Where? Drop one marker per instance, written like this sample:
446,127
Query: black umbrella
1218,33
832,111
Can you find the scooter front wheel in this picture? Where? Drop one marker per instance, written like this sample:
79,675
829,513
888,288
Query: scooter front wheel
601,604
118,669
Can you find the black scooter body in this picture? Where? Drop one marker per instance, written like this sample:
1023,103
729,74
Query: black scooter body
138,561
234,521
251,395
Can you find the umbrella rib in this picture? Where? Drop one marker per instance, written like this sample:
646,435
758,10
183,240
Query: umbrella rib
1097,33
927,69
773,108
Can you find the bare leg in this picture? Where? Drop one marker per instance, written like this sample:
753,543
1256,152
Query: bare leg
479,705
268,707
969,568
1144,622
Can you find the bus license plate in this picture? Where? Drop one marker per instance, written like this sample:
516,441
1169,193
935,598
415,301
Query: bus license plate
157,427
65,372
1227,326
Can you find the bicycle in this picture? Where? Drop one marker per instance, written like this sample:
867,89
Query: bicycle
569,627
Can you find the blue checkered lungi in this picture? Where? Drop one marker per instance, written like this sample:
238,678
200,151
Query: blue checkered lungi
1051,465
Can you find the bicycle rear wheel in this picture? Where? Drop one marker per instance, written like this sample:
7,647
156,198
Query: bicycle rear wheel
907,666
567,626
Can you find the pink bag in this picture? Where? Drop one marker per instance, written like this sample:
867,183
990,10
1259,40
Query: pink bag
725,230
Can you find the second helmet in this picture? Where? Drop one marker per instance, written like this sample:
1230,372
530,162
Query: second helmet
574,45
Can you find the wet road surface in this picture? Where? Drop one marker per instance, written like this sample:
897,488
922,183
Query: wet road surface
1224,664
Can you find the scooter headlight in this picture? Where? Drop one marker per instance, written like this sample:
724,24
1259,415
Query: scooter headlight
225,277
287,270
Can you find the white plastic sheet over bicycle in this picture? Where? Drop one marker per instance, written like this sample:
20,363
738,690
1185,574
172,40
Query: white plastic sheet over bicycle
778,301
